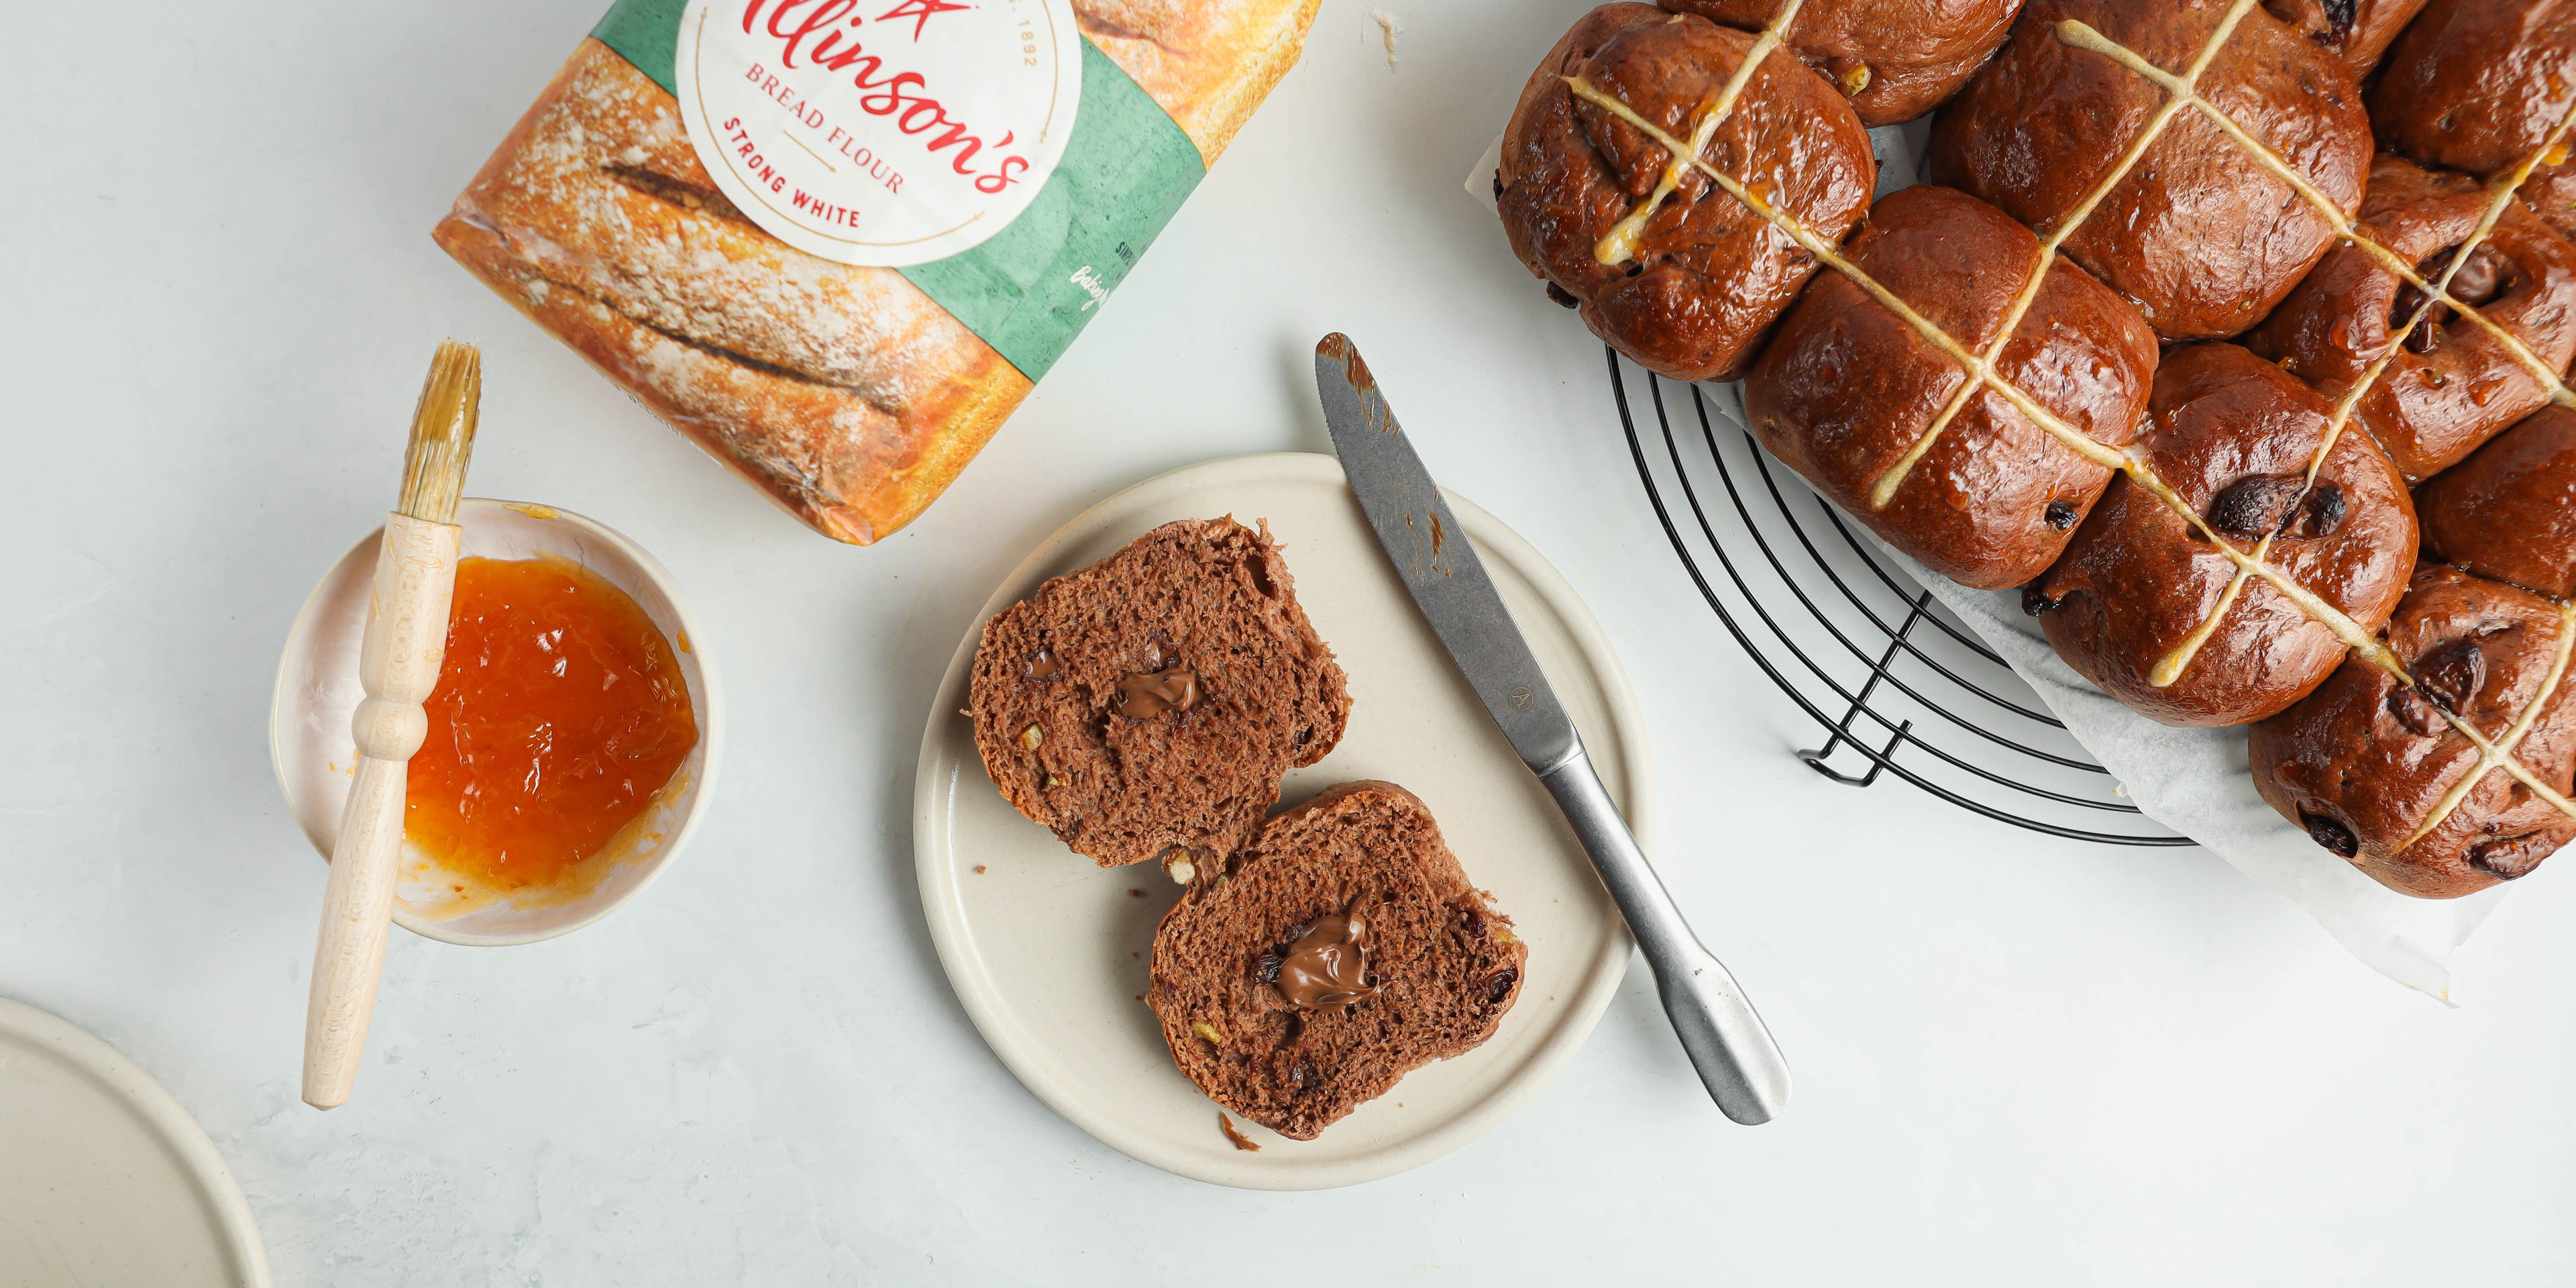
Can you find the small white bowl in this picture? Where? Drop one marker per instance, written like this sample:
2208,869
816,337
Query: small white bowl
310,746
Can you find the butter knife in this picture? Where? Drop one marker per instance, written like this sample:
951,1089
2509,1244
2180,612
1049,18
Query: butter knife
1734,1054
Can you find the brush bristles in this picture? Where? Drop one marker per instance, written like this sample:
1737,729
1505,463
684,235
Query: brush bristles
442,434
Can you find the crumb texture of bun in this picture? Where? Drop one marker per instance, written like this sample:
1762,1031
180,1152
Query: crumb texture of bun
1445,964
1062,734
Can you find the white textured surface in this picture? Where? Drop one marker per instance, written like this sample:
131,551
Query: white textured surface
2012,1052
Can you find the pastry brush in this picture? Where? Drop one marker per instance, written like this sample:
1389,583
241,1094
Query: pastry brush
398,663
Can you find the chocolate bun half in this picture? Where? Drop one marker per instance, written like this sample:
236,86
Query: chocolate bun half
1694,291
1848,389
2509,512
2452,384
2200,234
2477,85
2232,437
2374,771
1895,59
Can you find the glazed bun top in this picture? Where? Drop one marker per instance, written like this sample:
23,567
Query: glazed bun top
1895,59
2376,768
2357,31
2198,231
1879,417
1673,270
2509,512
2478,85
2146,605
2452,381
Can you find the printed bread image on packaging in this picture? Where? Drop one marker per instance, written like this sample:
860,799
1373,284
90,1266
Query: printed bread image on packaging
836,242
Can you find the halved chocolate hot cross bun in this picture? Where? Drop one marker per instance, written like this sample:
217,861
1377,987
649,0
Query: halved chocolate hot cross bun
1875,410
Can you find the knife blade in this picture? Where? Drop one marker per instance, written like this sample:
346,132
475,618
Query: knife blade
1731,1049
1439,565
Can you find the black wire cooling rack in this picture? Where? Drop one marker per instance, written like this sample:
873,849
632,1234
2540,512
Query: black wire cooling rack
1898,684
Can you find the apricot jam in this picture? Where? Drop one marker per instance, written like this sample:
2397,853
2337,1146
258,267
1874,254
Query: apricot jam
560,712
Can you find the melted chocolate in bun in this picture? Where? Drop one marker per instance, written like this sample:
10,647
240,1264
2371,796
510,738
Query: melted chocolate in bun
1895,59
2131,605
2200,234
1848,390
2375,771
2453,383
2477,85
1691,291
2357,31
2509,511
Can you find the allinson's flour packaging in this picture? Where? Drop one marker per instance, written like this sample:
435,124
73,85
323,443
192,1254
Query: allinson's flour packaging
836,241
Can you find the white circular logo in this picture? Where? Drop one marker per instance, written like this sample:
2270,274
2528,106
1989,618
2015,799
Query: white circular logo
886,132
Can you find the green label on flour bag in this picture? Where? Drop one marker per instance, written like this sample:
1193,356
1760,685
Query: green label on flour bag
1033,285
982,148
643,33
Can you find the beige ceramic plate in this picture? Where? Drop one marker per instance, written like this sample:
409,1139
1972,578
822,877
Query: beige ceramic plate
104,1179
1048,951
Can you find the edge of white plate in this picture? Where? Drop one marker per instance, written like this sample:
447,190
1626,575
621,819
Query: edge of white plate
166,1117
1494,541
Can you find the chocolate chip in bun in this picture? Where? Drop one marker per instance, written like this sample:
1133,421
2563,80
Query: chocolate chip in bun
2147,605
2478,85
2455,379
1879,415
1895,59
1666,264
2357,31
2374,767
2509,511
2203,233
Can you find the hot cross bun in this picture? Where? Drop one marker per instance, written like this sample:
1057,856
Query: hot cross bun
2202,235
1895,59
2453,383
2509,512
2231,439
1691,290
2375,771
1848,390
2478,85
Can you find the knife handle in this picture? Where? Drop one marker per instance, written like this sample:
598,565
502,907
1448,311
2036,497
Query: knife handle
1737,1060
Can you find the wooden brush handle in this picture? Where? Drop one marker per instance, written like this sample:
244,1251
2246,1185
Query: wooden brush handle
398,667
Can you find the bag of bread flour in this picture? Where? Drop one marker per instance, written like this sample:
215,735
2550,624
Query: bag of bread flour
836,241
